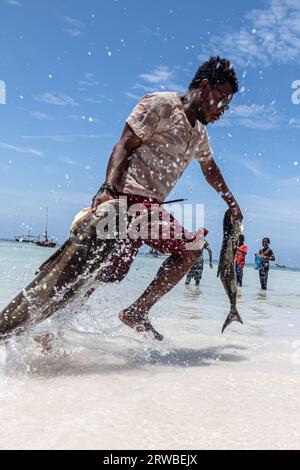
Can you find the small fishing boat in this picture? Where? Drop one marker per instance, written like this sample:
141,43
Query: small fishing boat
27,238
46,242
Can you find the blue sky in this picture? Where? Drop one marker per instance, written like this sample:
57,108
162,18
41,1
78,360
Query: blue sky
74,69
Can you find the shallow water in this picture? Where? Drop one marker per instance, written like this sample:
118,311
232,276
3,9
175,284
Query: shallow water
104,386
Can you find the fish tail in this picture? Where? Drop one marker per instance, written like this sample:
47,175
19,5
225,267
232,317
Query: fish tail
232,316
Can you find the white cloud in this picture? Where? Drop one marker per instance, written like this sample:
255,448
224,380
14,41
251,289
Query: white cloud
54,138
87,81
29,151
40,116
268,35
161,78
66,138
263,208
57,99
254,167
73,27
75,33
162,73
70,161
254,116
248,111
294,122
133,96
76,117
147,88
14,3
98,99
291,182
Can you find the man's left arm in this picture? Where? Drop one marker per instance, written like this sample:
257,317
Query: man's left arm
215,178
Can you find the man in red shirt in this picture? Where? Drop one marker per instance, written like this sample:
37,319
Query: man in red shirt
240,259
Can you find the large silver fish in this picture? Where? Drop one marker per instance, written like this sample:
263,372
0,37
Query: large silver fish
75,268
226,268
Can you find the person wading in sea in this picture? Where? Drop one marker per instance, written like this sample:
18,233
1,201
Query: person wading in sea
240,259
267,255
196,270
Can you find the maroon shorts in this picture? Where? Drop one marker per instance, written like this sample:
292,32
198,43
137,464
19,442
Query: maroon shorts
163,233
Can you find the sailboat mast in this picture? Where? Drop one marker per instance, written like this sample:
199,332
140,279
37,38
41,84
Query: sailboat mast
46,227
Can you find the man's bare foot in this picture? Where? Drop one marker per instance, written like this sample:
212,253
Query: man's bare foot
139,324
45,342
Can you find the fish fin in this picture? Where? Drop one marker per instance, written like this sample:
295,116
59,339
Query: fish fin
232,316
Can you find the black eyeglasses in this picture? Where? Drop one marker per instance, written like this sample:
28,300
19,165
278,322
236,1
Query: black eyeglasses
224,102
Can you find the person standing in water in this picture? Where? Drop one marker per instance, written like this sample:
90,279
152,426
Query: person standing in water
196,270
240,259
267,255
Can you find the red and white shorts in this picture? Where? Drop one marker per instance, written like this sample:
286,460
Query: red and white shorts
161,231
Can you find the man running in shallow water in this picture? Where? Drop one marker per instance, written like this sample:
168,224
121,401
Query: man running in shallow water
162,135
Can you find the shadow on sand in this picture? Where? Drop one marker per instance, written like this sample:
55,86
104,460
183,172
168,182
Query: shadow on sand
102,362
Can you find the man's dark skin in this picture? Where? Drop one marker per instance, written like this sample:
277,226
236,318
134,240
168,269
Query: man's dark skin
206,104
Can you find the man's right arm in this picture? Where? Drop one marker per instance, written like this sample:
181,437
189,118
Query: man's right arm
117,163
214,177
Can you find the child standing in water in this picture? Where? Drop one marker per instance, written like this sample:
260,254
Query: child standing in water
267,255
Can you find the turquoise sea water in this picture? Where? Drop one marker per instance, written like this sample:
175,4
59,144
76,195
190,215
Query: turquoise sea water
273,311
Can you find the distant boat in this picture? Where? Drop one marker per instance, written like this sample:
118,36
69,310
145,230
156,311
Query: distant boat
280,266
27,238
46,242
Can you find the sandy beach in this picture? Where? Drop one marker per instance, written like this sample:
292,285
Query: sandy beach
104,386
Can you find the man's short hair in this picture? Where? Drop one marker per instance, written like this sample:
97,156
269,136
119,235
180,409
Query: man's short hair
217,71
266,239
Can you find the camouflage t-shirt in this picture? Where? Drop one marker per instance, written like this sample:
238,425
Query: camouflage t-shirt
170,143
